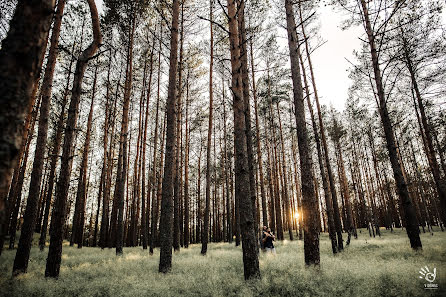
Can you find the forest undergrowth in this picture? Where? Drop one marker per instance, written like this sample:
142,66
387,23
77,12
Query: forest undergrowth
381,266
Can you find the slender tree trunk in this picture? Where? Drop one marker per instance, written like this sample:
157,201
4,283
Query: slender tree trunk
55,157
430,152
309,201
259,150
121,178
348,223
245,88
285,176
325,185
177,170
334,200
242,184
186,172
226,169
58,216
409,211
204,236
166,236
79,213
144,212
156,179
17,192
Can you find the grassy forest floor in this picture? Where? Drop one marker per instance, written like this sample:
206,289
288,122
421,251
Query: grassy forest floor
383,266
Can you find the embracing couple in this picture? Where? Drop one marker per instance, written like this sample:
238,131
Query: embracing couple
266,242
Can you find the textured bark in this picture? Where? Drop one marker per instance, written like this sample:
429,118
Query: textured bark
144,212
309,201
77,231
166,236
409,211
275,164
286,198
348,222
334,200
24,247
123,140
245,88
429,148
227,167
325,185
259,150
242,185
111,237
186,172
177,190
199,230
21,59
272,216
204,236
15,204
55,157
105,169
58,216
109,227
154,179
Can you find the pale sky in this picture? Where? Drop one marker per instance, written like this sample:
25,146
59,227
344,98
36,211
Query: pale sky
329,61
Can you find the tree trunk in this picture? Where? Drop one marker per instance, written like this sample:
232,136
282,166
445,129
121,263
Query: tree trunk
166,236
285,176
186,172
121,179
309,201
259,150
156,179
77,230
145,212
55,157
58,216
245,88
430,152
409,211
204,236
242,184
21,58
327,192
177,170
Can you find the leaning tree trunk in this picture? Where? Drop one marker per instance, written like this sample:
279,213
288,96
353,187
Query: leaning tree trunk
21,59
242,185
325,186
166,220
409,211
429,149
334,200
58,216
309,201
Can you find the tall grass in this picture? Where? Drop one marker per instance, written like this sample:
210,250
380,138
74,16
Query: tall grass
383,266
